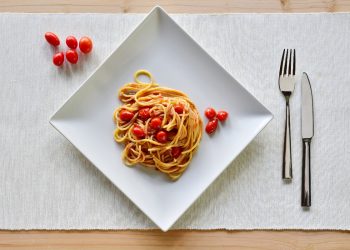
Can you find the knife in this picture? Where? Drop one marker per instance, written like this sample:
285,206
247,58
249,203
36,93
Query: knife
307,132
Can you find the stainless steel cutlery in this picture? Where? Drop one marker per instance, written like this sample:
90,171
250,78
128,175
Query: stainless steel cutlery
307,132
286,84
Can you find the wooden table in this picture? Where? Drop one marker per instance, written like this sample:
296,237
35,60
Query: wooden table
181,239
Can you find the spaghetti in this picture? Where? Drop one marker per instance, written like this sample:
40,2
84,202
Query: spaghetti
160,127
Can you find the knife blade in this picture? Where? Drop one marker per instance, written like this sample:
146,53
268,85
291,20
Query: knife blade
307,110
307,132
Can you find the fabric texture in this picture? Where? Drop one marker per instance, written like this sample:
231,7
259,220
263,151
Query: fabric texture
45,183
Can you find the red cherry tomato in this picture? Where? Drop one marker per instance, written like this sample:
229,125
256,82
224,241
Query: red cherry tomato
138,132
144,114
71,42
222,116
210,113
126,115
211,126
85,44
52,38
58,59
176,151
156,123
72,56
162,136
179,108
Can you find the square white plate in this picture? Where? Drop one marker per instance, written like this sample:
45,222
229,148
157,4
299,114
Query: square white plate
159,45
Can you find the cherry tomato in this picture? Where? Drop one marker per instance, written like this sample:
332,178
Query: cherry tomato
52,38
85,44
71,42
179,108
144,113
156,123
222,116
58,59
162,136
138,132
176,151
126,115
72,56
210,113
211,126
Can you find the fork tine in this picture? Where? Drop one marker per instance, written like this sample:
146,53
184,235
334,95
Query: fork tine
285,63
290,63
282,60
294,62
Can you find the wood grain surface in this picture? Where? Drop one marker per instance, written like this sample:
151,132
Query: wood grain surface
154,239
174,6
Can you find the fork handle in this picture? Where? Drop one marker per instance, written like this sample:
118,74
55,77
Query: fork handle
287,148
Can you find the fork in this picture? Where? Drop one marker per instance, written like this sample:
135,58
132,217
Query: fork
286,83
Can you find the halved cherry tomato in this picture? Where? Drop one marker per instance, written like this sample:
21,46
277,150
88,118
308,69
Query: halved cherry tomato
176,151
144,113
222,116
85,44
71,42
58,59
211,126
138,132
156,123
52,38
179,108
126,115
162,136
210,113
72,56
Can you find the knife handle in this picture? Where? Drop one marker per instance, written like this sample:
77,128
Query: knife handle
287,148
306,175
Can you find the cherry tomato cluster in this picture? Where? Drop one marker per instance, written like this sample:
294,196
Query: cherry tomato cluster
155,126
214,119
85,46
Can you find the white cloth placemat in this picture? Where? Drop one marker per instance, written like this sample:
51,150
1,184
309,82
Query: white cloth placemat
45,183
